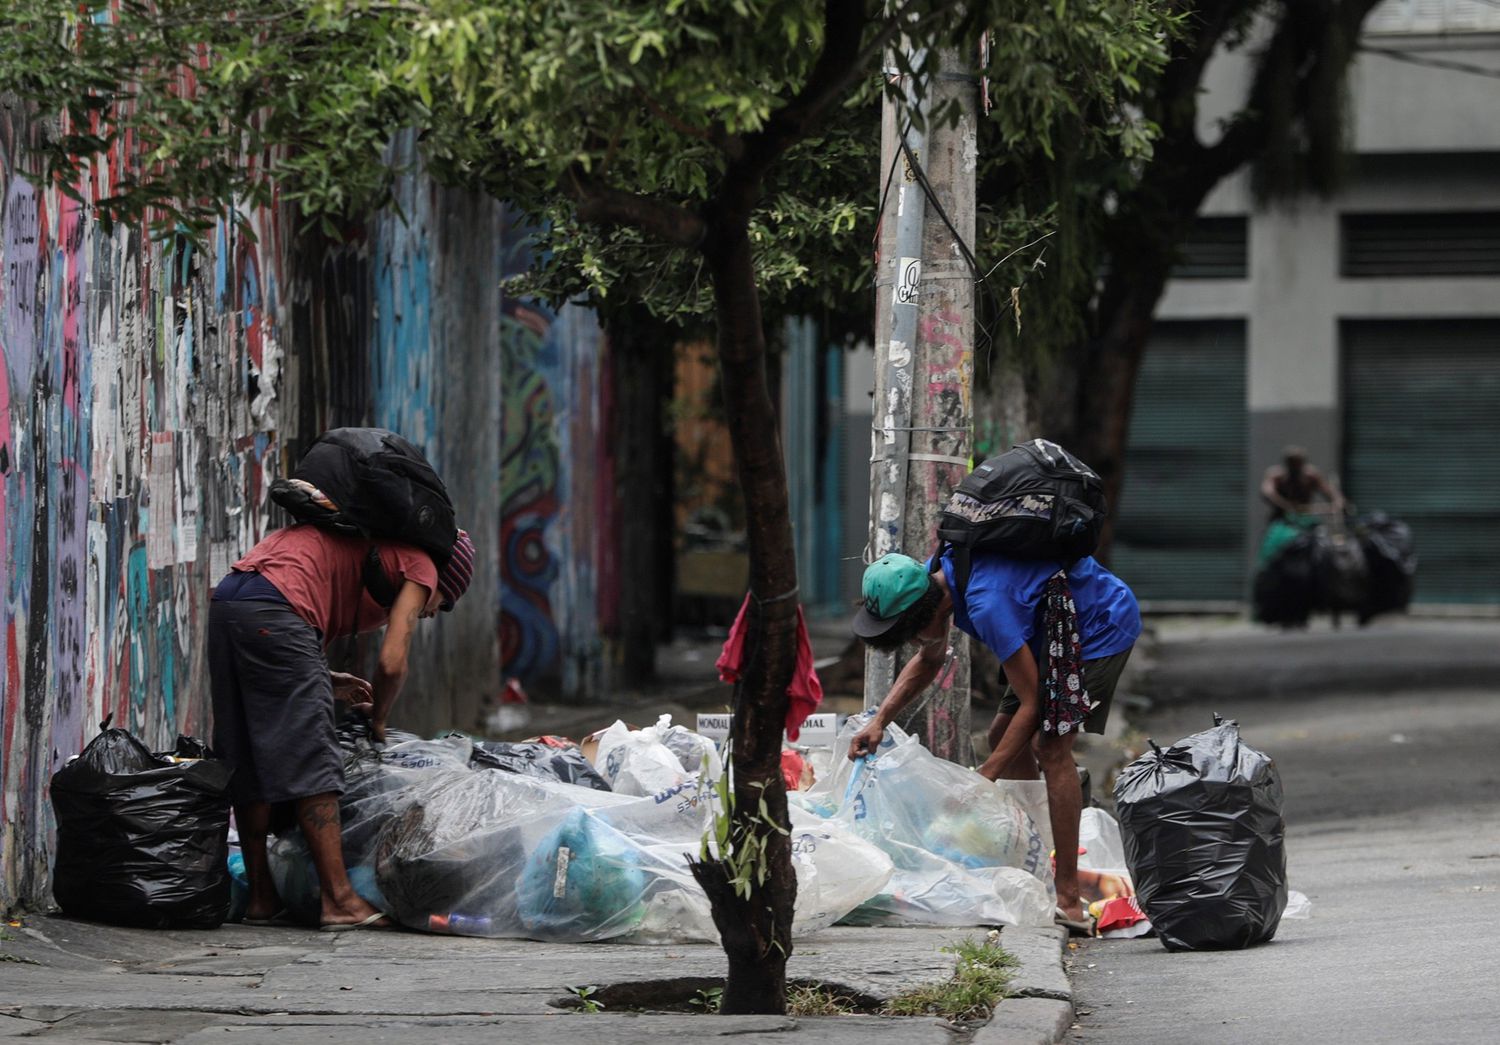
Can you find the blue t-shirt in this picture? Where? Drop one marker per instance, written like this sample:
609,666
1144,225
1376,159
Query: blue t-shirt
1001,607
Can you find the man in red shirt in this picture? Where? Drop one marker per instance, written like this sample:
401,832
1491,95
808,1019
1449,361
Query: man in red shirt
270,622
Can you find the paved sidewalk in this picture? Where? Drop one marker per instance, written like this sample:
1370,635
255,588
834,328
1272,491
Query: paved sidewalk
245,986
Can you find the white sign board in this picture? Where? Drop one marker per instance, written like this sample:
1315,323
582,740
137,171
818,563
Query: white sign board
714,727
817,731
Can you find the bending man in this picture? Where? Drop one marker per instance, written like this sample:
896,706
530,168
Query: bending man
274,697
1062,636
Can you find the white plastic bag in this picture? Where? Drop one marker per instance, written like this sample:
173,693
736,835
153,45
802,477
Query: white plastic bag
837,871
1297,905
637,762
1099,838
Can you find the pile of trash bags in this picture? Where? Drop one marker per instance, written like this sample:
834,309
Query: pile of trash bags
1366,567
543,841
472,838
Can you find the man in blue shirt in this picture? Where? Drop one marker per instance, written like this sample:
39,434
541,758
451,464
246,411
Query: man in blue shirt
1025,611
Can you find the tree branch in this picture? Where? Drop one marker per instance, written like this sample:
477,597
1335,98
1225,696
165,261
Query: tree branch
603,205
838,65
1290,47
672,119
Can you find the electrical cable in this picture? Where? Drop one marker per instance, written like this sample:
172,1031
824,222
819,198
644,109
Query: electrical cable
968,254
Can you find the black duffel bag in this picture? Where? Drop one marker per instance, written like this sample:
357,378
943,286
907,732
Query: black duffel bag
142,838
1205,840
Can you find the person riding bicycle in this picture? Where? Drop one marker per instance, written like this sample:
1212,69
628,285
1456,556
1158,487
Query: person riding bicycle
1290,487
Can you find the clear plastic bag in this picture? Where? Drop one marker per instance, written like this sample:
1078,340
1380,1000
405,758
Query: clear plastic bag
449,848
544,760
966,851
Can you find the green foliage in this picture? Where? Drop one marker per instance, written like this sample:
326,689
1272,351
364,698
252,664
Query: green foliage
708,999
740,844
586,1000
980,978
1053,183
547,105
817,1000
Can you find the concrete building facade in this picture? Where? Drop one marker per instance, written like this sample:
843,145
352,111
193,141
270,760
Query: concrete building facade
1364,327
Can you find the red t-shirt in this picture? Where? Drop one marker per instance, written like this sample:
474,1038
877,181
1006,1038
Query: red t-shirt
321,575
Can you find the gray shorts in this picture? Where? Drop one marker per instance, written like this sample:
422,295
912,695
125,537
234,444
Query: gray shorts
1100,677
273,703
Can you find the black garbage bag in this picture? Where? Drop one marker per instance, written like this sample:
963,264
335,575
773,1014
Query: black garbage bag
539,760
1391,556
1343,577
1286,588
1205,840
142,840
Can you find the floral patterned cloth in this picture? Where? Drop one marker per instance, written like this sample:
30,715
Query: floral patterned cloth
1067,702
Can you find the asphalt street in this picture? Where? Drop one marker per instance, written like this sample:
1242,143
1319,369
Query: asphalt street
1393,832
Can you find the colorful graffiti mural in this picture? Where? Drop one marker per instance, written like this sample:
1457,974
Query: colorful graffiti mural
150,393
556,494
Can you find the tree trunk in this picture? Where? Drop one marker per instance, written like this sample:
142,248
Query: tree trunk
756,929
643,349
1111,361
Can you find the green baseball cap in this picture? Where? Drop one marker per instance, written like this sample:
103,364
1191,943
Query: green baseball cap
892,585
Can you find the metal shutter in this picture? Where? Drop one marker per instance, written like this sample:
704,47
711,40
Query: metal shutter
1180,528
1416,245
1422,442
1215,248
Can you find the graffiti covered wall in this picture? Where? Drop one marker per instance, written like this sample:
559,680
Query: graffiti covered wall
558,555
151,391
436,378
139,388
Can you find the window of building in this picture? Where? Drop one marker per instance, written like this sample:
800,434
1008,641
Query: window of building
1433,16
1216,248
1378,246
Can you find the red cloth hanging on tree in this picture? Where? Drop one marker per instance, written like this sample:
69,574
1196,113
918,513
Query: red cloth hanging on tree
805,692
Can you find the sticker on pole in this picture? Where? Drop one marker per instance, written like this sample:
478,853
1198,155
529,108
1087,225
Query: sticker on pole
908,276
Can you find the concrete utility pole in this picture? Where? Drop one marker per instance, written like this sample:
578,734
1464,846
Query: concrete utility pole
924,336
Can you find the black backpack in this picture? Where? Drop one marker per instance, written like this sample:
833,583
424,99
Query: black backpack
1035,501
382,486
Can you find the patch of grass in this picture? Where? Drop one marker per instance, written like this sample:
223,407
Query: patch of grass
804,999
980,979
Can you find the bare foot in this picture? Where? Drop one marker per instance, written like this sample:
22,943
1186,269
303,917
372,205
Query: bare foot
264,906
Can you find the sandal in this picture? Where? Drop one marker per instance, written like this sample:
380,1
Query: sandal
368,923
